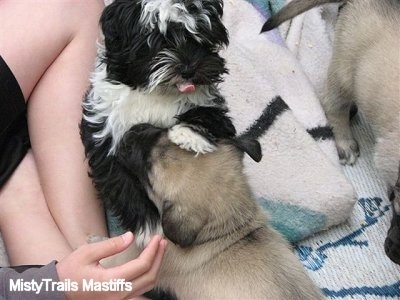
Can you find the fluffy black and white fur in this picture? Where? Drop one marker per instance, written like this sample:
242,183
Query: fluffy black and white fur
157,70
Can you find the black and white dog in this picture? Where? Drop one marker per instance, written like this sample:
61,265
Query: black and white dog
157,71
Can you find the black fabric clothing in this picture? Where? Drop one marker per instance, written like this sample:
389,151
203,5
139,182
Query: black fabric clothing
14,136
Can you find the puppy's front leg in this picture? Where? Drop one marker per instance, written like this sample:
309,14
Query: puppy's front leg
346,145
187,138
337,104
199,128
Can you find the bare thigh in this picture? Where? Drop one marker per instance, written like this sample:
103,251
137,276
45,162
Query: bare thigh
30,40
28,229
50,46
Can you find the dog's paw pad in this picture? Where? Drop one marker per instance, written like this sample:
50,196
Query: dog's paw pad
188,139
348,151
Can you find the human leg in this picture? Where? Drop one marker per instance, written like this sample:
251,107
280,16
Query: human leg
28,229
54,113
58,50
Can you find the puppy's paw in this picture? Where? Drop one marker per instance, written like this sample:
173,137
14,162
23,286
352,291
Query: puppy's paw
348,151
105,262
187,139
116,259
94,238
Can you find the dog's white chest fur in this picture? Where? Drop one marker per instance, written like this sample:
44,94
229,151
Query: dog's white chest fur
120,107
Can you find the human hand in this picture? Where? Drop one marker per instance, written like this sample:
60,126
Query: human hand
139,274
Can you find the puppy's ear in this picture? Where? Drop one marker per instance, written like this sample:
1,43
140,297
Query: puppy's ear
181,226
126,49
219,34
251,146
119,22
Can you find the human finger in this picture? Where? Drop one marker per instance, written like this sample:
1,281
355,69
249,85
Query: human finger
109,247
146,281
140,265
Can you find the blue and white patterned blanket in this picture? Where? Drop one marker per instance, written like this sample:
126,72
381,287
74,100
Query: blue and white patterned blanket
349,262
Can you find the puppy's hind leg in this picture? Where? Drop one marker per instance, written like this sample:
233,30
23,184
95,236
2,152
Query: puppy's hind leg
337,104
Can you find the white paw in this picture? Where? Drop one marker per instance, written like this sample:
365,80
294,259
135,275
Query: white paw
189,140
348,151
144,236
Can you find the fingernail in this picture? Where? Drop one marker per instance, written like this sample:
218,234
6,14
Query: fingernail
127,236
158,237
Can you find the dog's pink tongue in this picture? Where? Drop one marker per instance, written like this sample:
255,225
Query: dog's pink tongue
186,87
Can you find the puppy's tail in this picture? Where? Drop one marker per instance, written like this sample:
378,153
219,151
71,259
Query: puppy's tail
293,9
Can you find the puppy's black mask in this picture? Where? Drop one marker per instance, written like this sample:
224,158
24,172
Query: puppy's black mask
164,43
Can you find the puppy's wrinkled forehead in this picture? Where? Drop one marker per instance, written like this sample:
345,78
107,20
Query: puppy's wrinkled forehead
189,13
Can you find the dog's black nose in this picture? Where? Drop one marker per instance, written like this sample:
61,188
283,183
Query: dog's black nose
187,72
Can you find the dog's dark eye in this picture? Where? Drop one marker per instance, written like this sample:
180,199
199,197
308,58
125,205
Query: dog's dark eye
192,8
215,49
